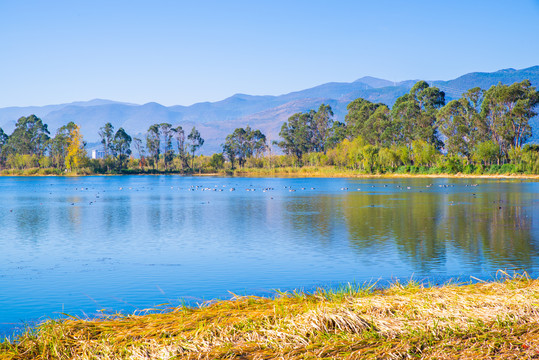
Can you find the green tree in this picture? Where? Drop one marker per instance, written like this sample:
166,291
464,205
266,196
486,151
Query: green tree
507,110
196,141
453,125
153,144
137,143
380,130
183,153
337,134
296,135
243,144
359,112
230,150
486,152
122,146
388,158
167,132
3,142
217,161
415,114
235,147
106,133
30,137
60,143
369,157
423,153
321,125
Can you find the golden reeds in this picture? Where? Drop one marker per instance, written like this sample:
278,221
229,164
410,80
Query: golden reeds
474,321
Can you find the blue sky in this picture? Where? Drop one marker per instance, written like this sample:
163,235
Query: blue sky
182,52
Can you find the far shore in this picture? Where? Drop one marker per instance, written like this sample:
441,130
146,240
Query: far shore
299,173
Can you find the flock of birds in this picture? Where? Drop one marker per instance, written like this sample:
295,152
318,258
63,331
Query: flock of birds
218,188
251,188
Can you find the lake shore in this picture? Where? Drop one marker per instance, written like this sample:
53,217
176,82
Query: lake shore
467,321
290,172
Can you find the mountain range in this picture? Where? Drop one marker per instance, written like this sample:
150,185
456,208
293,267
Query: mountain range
215,120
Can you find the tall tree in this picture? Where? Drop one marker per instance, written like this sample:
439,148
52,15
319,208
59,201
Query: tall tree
137,143
296,135
337,134
243,144
415,114
196,141
359,112
30,136
59,145
3,142
507,110
75,150
153,143
235,146
379,129
461,123
257,142
322,122
183,153
106,133
122,146
452,124
168,133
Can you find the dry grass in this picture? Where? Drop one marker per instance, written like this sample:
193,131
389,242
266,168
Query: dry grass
474,321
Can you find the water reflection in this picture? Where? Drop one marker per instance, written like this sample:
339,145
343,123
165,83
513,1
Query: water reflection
425,227
65,241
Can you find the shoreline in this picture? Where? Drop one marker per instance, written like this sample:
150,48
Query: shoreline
306,174
480,320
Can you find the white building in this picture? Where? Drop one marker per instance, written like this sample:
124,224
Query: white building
98,154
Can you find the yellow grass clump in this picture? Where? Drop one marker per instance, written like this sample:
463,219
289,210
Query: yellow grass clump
493,320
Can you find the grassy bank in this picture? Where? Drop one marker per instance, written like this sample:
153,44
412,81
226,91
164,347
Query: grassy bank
292,171
331,171
474,321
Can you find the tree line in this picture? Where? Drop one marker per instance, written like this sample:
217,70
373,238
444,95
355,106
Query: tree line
482,131
30,146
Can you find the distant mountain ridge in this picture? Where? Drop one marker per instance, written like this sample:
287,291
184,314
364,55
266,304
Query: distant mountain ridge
217,119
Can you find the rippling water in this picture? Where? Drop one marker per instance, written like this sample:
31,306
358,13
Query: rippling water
79,245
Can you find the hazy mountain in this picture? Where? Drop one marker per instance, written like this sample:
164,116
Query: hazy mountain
217,119
375,82
455,88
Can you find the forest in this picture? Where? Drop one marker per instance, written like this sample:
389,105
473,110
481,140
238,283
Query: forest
482,132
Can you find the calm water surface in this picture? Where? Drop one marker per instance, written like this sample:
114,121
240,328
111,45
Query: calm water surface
80,245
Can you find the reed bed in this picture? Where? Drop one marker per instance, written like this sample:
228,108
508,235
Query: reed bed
490,320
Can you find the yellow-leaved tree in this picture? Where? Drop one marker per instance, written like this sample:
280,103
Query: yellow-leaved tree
75,150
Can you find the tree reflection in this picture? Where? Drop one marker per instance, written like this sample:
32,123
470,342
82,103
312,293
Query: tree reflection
491,229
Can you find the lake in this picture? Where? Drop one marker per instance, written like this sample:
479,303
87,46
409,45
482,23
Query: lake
117,244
